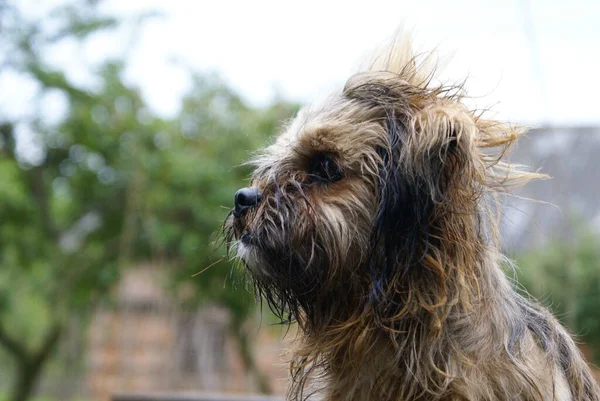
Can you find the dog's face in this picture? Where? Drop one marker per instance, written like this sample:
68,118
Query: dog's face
346,205
305,221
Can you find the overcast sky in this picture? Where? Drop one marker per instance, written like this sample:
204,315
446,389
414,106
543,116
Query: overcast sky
534,61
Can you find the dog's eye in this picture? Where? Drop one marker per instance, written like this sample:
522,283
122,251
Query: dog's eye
323,167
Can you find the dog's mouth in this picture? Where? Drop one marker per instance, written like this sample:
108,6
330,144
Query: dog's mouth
249,251
247,238
242,239
258,243
241,231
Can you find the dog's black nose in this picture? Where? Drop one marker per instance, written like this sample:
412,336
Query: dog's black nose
246,198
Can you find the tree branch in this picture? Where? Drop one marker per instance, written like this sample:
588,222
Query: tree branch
12,346
48,344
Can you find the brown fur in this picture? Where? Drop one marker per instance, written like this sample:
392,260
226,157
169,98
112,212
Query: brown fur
377,233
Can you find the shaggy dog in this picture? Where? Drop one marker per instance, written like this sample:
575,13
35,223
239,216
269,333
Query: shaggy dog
372,222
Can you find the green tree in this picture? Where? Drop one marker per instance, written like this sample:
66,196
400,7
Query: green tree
60,196
108,186
566,275
192,186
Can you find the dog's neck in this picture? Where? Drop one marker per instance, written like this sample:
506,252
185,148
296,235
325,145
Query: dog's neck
359,360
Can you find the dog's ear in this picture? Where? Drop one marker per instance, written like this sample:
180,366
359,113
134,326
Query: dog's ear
428,158
404,207
430,179
427,168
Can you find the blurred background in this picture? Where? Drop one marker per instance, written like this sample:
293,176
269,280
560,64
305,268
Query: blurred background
122,129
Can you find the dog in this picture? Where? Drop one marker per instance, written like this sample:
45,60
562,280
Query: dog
372,222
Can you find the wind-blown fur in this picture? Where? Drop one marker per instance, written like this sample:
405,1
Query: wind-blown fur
377,233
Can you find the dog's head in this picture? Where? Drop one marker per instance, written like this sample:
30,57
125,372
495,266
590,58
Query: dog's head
372,200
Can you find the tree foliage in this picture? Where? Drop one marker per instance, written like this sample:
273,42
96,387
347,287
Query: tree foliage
566,276
108,186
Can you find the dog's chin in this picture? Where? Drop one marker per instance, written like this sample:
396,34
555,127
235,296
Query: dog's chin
246,252
249,254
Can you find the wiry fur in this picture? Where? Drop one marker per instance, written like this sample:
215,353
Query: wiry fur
392,269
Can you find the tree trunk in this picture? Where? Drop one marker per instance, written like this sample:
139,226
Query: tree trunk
26,378
249,361
29,368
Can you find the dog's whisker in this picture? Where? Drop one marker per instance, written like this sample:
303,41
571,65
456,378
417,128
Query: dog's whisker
206,268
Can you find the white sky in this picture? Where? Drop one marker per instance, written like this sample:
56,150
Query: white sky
302,49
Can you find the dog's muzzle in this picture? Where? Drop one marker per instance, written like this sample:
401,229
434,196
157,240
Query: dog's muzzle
246,199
